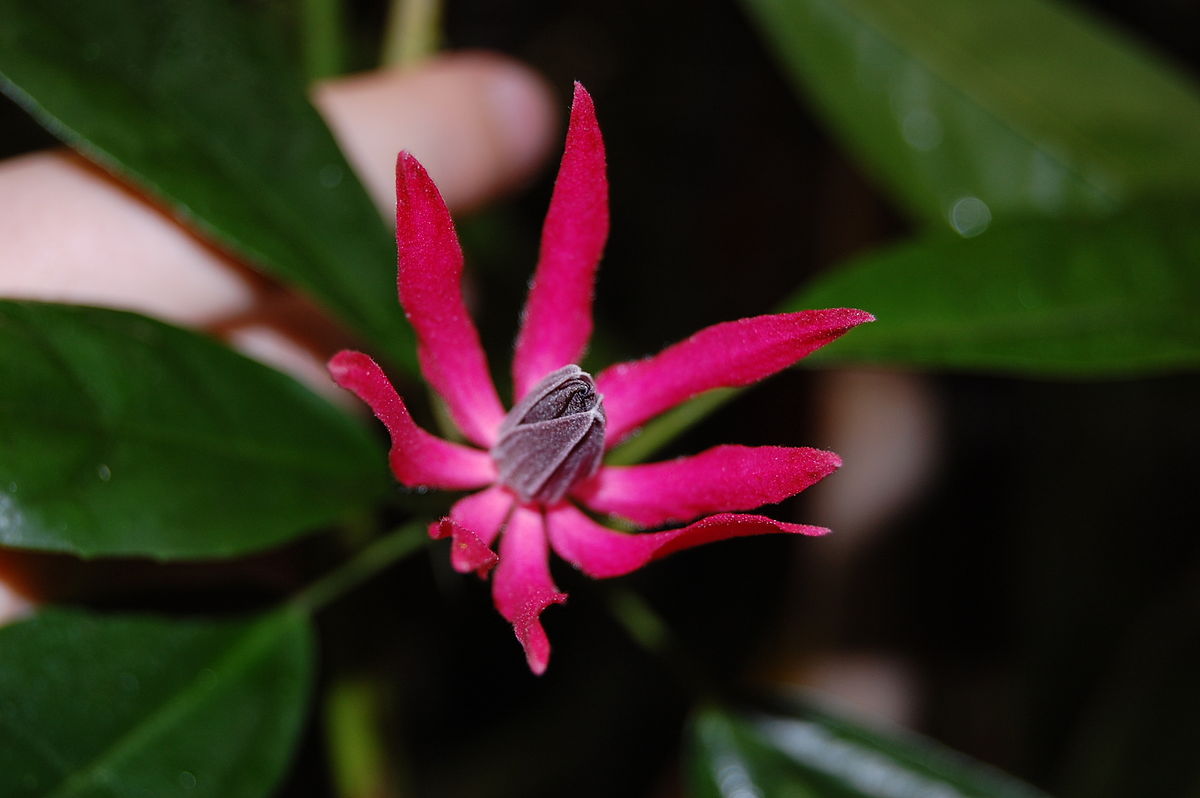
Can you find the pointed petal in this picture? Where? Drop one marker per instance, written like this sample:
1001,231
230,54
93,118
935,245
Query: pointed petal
724,355
557,321
473,523
522,587
721,479
430,285
418,459
601,552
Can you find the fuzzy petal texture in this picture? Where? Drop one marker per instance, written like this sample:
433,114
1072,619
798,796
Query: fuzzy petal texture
724,355
722,479
601,552
484,513
418,459
430,286
473,523
522,587
557,321
467,552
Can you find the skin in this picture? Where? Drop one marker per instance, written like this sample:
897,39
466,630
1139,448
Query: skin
481,125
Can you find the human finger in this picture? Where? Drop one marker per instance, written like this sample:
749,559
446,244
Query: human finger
74,234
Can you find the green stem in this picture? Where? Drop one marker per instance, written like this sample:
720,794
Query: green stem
413,31
363,765
368,562
664,429
650,631
323,37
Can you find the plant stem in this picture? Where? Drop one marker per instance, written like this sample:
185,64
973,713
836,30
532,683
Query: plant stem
363,765
374,558
324,37
413,31
664,429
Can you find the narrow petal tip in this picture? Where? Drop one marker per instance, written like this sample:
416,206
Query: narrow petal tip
579,92
857,317
345,361
532,635
832,461
407,167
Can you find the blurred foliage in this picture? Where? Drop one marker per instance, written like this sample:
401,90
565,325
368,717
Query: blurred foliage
139,705
969,111
1110,297
803,750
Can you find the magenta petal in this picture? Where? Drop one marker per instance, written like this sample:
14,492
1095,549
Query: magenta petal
601,552
473,523
418,459
483,513
721,479
467,552
430,285
724,355
522,587
557,321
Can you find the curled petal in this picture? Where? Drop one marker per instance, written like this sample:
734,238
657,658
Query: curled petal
601,552
558,314
721,479
473,523
430,286
418,459
522,587
467,552
724,355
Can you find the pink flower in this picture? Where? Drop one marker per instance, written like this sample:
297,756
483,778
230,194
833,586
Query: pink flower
539,461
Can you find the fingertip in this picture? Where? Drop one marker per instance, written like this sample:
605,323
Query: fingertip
480,124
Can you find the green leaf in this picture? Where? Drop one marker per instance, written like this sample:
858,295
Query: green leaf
1096,298
814,753
115,706
120,435
969,111
200,104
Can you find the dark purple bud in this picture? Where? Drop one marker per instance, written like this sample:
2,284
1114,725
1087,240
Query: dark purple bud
552,438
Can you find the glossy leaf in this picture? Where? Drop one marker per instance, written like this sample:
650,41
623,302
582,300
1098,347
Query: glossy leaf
813,753
121,435
972,111
201,105
1089,298
105,706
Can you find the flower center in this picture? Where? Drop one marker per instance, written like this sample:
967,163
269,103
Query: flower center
553,438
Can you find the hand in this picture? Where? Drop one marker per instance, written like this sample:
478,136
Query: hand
72,233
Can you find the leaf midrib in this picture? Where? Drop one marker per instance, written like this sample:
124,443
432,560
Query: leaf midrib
237,659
